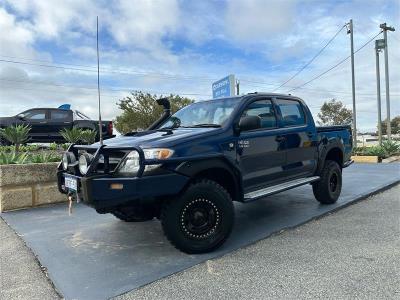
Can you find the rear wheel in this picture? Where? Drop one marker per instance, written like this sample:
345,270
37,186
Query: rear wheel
201,219
327,189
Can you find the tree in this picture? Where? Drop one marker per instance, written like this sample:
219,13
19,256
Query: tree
334,112
140,110
394,125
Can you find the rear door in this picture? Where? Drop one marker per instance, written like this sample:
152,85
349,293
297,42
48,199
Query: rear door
59,119
260,152
300,139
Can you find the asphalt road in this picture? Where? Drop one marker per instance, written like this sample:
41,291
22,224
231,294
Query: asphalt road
351,254
21,276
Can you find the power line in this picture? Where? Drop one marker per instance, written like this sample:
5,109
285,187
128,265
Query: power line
336,65
87,88
312,59
135,73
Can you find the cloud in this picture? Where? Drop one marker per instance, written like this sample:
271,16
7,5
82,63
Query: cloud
20,42
253,21
259,40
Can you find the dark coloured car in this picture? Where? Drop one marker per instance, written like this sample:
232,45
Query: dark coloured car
188,168
46,123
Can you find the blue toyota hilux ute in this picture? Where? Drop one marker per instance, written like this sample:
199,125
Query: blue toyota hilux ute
189,167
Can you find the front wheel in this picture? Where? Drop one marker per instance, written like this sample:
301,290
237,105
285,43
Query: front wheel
327,189
201,219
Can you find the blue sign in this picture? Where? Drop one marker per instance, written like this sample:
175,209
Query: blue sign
224,87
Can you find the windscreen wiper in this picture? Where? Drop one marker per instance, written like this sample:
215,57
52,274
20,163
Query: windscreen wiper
206,125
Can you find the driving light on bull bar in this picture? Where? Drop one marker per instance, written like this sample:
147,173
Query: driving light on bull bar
84,162
68,159
130,164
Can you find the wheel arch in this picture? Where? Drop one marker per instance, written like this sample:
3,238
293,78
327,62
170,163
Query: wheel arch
334,150
218,170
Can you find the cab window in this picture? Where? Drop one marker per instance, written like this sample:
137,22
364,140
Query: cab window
292,112
56,115
37,114
264,110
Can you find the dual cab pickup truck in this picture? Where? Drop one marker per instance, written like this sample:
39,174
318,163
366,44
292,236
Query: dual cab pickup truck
188,168
46,123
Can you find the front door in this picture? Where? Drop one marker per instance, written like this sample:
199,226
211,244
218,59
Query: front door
37,120
260,152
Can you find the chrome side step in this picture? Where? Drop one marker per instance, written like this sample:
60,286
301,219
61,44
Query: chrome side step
278,188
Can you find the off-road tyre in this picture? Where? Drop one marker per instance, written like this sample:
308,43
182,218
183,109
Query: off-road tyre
201,219
327,189
134,214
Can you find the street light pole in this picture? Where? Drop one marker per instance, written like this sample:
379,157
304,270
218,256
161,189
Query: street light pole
378,93
388,127
353,86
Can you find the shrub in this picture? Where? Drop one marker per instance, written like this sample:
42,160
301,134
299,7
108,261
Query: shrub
53,146
65,146
88,136
391,147
8,158
375,151
16,135
44,157
73,135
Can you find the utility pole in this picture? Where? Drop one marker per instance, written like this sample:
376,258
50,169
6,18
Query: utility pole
388,127
379,44
98,82
353,86
237,87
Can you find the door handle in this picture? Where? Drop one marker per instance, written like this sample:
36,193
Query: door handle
280,138
43,122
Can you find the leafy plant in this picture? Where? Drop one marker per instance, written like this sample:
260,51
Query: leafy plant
65,146
391,147
17,134
6,148
375,151
53,146
8,158
44,157
73,135
88,136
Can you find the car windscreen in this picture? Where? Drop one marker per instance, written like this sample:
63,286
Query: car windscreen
204,113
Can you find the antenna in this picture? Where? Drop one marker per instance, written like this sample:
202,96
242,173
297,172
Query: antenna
98,82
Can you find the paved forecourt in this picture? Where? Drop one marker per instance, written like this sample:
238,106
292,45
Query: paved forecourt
92,256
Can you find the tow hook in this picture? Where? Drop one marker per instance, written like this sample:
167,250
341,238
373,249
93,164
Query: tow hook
71,198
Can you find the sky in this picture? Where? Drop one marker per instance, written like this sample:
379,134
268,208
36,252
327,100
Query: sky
48,51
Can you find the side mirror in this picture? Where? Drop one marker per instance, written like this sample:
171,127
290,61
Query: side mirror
21,118
249,123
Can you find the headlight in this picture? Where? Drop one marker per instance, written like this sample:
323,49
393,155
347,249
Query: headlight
68,159
130,163
84,162
157,153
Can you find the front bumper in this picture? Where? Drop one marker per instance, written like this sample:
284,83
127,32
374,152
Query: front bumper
97,190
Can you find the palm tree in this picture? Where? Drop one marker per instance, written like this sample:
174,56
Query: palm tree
17,134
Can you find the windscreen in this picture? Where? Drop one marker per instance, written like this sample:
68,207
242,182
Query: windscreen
205,113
